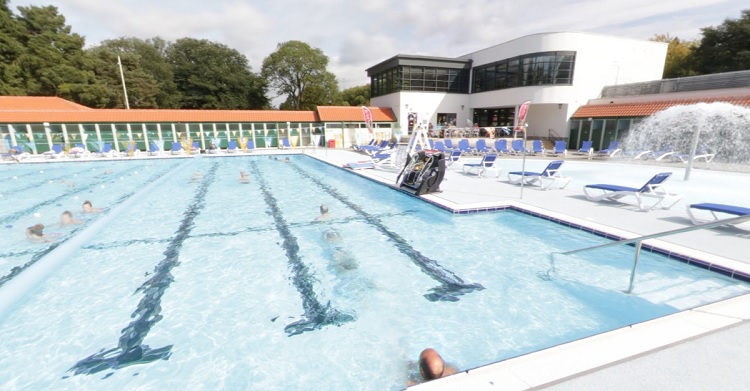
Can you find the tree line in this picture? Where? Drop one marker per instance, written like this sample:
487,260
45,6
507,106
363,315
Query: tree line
40,55
722,48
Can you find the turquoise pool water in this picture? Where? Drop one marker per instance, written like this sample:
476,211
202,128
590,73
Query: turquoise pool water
193,279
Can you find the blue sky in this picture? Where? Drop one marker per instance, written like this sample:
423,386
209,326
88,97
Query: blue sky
356,34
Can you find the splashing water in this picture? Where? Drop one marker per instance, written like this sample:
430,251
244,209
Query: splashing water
724,130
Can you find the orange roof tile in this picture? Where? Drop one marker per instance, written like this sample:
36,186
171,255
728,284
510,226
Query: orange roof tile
644,109
354,114
36,109
32,103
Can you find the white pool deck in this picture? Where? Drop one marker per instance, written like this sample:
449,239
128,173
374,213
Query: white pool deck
700,349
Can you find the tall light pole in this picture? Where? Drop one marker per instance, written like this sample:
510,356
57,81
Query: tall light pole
122,77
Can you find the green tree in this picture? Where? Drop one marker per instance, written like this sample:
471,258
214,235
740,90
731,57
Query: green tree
11,81
210,75
53,62
357,96
148,75
726,47
679,62
298,71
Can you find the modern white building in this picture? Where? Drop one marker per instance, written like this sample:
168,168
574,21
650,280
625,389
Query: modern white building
557,72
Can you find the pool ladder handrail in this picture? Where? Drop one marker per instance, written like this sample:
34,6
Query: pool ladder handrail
639,241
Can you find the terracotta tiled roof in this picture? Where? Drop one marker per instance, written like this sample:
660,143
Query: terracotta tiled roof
644,109
33,103
33,109
354,114
136,116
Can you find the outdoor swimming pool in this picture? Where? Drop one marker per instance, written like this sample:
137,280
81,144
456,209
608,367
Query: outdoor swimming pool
192,279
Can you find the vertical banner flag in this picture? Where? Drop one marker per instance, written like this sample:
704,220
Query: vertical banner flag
368,117
522,111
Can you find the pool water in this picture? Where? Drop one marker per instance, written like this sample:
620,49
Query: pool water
193,279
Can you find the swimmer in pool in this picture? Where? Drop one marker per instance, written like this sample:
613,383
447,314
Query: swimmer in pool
66,218
35,233
244,178
324,215
431,367
198,175
88,208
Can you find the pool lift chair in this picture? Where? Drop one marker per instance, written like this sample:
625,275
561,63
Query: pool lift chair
545,179
488,163
654,188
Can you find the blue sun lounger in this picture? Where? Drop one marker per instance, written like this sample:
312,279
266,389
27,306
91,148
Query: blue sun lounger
560,148
715,208
654,188
487,164
501,146
545,179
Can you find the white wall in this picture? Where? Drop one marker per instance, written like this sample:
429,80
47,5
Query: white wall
426,104
601,60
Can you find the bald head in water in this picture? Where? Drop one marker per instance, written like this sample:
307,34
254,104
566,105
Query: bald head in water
431,365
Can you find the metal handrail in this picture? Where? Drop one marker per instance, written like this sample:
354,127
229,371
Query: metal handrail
639,241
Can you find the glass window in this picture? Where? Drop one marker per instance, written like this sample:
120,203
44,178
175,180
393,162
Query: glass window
420,79
532,69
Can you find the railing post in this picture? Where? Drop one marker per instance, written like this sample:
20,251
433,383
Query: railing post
638,245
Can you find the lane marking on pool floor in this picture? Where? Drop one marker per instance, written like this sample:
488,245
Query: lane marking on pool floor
451,285
316,314
130,349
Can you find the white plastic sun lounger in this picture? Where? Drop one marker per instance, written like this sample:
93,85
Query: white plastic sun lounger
545,179
654,188
715,208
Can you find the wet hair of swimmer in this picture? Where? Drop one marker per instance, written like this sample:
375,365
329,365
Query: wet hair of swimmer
67,213
431,365
87,202
323,209
332,236
36,229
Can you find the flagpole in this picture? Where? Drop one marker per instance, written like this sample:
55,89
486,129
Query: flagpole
523,110
124,89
